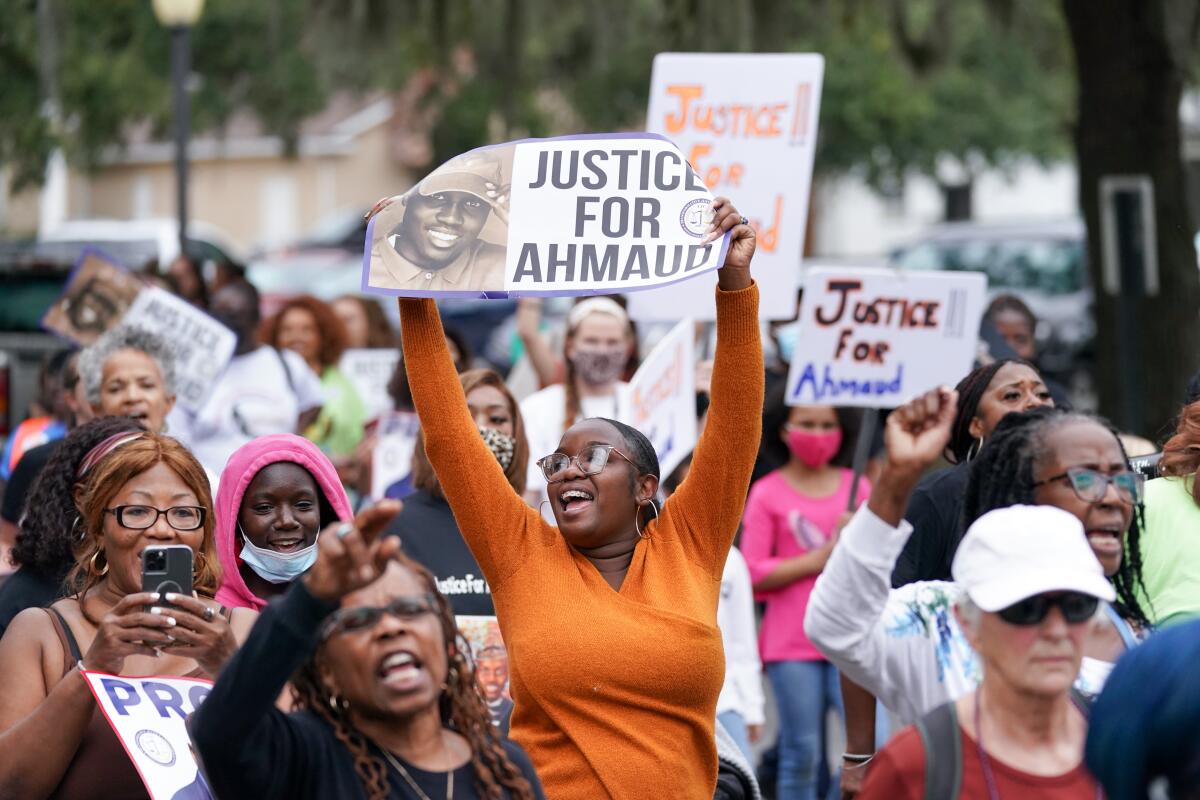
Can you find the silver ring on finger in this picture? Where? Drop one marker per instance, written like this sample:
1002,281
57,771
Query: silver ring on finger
343,530
745,221
209,614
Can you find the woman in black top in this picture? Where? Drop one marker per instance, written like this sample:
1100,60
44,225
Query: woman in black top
426,526
50,522
986,395
387,701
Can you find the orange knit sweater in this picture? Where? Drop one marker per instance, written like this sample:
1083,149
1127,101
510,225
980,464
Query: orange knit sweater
615,693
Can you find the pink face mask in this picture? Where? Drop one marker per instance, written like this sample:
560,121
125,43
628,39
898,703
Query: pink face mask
814,449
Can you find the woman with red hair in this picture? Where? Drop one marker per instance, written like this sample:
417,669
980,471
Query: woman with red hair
308,327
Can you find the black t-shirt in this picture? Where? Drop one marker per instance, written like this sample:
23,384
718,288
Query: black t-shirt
429,534
252,749
935,512
26,589
23,475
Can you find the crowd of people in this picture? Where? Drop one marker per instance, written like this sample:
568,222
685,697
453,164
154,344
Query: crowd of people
988,597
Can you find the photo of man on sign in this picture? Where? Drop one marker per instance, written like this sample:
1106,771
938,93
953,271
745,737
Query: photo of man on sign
448,233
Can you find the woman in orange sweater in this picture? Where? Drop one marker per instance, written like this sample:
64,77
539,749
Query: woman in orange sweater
610,618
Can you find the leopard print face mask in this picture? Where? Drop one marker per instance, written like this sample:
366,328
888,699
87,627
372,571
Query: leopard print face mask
502,447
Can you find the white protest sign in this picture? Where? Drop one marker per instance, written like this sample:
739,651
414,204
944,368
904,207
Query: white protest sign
148,716
660,401
573,215
876,338
201,345
391,462
747,123
369,370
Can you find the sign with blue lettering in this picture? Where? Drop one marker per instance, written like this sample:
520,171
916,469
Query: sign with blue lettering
876,338
149,717
573,215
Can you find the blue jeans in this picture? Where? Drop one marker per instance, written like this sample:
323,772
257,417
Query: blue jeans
735,726
804,692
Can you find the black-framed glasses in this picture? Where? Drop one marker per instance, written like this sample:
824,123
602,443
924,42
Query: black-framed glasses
590,461
1076,607
1090,486
361,618
138,518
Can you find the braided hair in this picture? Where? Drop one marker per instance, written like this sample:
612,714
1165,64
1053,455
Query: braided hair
462,708
970,391
644,458
1002,476
50,522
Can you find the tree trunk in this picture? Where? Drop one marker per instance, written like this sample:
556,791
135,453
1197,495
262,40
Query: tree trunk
1130,57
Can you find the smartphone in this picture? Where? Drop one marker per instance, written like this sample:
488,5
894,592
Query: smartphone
167,568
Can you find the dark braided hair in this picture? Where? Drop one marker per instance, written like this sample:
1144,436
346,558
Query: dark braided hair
50,525
462,708
970,391
1002,476
644,458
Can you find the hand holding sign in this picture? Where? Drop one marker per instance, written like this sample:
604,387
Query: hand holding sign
350,554
735,272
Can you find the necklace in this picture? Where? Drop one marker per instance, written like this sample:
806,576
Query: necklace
395,762
986,764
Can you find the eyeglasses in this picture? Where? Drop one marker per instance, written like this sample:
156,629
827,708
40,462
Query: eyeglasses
353,620
1090,486
1076,607
139,518
590,461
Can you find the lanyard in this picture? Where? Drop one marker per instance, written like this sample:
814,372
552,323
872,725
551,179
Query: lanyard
986,763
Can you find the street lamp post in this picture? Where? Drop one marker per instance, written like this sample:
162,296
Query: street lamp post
179,16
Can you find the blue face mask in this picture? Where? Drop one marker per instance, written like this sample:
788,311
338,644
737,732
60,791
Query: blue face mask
276,567
786,336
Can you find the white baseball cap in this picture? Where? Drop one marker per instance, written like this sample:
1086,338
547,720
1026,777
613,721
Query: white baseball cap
1014,553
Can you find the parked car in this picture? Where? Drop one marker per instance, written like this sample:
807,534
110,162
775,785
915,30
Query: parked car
138,242
1043,263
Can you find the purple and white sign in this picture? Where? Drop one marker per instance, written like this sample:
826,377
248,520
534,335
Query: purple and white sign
573,215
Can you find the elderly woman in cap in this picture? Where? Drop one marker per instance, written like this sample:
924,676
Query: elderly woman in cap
1030,591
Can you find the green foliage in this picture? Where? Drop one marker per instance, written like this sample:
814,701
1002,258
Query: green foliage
909,85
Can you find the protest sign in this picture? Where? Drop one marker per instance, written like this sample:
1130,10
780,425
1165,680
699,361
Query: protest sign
148,715
660,401
201,345
97,294
876,338
491,664
747,123
391,462
573,215
369,370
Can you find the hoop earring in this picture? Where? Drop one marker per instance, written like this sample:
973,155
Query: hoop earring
80,535
638,513
974,449
451,677
540,514
99,573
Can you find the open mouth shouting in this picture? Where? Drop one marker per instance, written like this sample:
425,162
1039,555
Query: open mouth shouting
575,501
401,671
1105,541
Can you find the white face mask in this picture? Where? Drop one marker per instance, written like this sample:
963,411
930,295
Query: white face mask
277,567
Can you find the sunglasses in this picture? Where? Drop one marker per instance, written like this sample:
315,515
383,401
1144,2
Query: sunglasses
361,618
590,461
1090,486
1076,607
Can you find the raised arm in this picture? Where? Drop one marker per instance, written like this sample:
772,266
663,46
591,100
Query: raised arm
845,619
493,519
711,499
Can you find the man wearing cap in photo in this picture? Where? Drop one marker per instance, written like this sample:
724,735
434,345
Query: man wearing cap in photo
436,246
1030,590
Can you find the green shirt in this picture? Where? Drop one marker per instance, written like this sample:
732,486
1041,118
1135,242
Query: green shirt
339,428
1170,547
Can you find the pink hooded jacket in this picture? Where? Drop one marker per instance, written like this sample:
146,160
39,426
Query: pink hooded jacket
243,465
